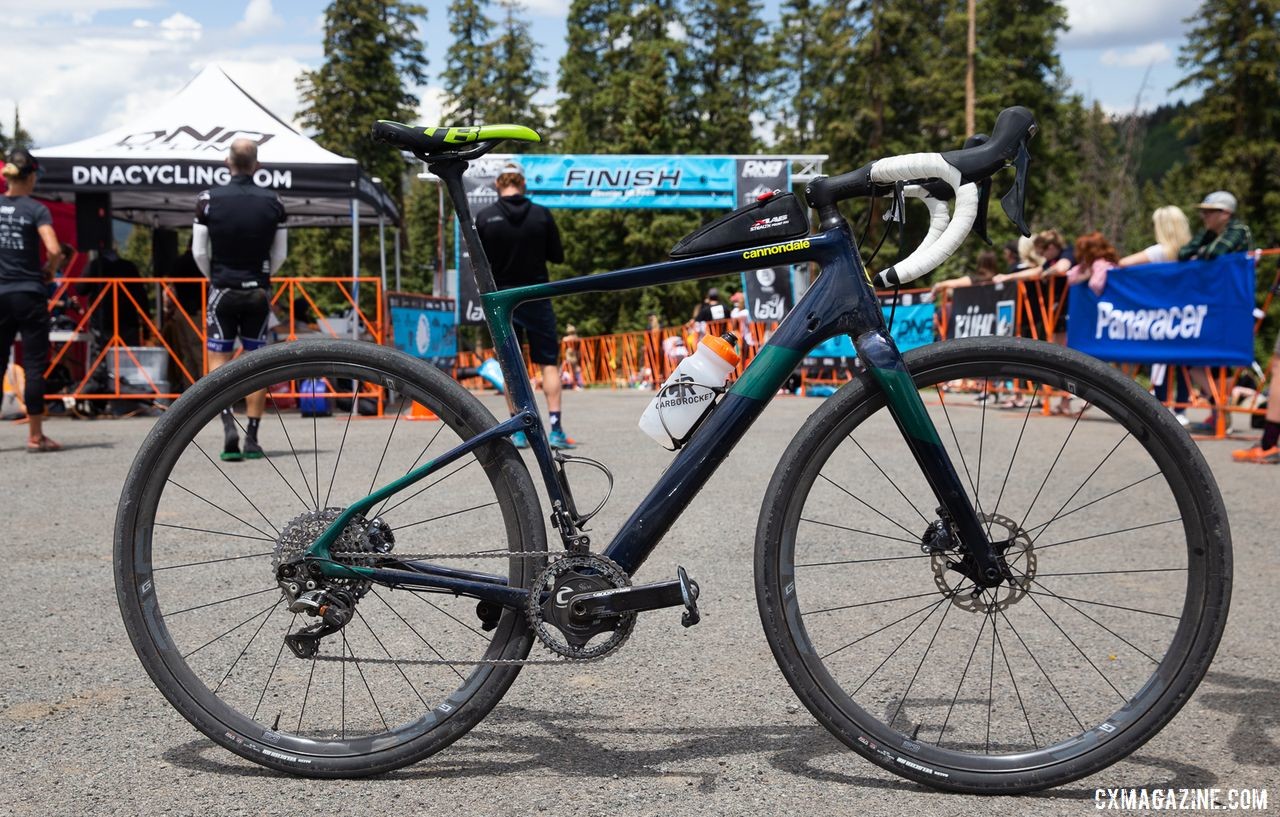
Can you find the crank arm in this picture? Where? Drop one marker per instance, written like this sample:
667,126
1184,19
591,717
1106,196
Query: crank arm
619,601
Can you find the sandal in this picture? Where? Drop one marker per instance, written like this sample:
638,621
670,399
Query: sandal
42,446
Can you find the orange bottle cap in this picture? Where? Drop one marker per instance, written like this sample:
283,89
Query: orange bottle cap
723,348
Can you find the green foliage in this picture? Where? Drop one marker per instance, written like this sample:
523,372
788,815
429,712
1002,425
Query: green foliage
515,79
729,68
20,138
469,64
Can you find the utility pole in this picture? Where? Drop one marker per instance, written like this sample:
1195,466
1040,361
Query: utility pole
970,116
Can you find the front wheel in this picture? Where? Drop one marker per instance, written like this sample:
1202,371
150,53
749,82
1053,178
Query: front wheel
1101,505
206,517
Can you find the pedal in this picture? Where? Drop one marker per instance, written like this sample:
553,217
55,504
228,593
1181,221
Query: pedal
689,594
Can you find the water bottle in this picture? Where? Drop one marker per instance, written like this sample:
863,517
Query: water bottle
689,392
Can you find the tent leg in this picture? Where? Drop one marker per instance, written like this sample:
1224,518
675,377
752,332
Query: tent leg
397,246
382,250
355,267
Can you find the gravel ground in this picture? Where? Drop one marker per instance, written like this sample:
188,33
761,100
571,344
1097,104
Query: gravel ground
680,722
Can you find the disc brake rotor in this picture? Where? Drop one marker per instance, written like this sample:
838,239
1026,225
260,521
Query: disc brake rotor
1014,545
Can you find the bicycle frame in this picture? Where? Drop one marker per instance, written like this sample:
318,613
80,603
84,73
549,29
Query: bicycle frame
841,301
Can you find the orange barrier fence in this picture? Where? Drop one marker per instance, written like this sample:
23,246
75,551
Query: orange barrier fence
119,348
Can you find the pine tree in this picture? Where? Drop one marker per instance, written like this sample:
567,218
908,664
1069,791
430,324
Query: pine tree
1232,55
515,78
730,66
469,65
799,55
373,60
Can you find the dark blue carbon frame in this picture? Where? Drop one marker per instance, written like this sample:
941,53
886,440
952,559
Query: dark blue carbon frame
840,302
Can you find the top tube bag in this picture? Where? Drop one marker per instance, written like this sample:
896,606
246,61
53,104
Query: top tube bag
775,218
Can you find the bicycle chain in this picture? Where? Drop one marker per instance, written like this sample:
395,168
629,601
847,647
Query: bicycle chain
561,661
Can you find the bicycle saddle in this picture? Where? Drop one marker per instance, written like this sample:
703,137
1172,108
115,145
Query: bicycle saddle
432,140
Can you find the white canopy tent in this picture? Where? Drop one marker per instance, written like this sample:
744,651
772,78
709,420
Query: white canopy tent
154,166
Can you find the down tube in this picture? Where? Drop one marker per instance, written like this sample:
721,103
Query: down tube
698,460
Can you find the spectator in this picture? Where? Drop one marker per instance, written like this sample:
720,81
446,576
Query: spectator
239,241
571,342
741,317
1012,260
1172,234
25,225
1222,234
712,309
987,272
520,238
1267,451
1096,257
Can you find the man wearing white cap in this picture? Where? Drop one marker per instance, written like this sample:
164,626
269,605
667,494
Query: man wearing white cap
1222,234
519,238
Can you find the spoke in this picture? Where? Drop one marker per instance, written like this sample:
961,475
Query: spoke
363,680
878,630
944,600
963,462
305,693
863,561
215,532
423,490
1036,661
1115,572
1099,499
316,499
386,445
1100,603
342,445
905,499
416,460
960,685
232,483
421,638
869,603
1058,513
315,454
447,515
991,683
1073,643
213,561
230,631
876,511
265,535
923,658
252,638
1133,646
447,614
224,601
1016,446
394,662
1053,465
863,532
1016,691
1101,535
272,673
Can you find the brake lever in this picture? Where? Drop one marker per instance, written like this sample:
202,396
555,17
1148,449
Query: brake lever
984,202
1014,202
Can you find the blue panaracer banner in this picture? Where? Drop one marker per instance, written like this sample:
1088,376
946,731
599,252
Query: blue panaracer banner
1193,312
580,181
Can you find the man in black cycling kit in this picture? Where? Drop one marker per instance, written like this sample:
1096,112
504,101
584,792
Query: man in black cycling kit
239,240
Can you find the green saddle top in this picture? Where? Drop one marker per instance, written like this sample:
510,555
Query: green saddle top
445,140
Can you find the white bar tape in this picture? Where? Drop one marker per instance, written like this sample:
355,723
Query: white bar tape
939,215
914,166
926,259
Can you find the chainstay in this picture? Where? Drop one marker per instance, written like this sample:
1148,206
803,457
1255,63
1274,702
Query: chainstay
480,554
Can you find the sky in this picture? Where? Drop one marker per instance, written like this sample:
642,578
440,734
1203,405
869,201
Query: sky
80,67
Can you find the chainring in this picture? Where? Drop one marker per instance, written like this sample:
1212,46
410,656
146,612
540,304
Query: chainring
1018,553
550,618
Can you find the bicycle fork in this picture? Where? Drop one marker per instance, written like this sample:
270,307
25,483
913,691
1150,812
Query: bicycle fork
882,359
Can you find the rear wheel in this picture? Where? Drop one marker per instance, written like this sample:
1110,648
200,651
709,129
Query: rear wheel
198,540
1107,515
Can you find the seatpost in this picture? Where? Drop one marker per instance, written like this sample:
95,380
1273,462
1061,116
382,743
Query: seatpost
450,171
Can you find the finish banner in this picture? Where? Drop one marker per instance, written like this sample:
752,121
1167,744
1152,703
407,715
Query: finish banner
979,311
581,181
425,327
1197,313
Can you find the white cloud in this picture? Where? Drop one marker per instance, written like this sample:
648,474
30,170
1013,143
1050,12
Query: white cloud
431,108
548,8
80,12
1107,23
140,23
1142,56
259,16
179,27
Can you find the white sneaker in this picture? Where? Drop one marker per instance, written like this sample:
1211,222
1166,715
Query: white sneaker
1182,419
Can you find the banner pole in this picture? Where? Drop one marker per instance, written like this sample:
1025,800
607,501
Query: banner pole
355,267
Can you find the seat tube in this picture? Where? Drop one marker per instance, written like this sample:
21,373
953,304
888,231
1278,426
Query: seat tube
882,359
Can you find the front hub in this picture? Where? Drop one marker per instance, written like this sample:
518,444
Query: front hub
955,572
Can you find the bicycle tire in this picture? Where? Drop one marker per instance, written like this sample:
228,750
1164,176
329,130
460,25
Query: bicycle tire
870,718
319,746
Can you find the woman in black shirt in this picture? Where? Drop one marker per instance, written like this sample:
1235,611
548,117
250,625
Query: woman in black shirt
24,225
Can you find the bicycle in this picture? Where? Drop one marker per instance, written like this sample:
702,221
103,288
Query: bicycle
313,641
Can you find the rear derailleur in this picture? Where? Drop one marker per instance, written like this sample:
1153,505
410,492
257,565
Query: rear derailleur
334,606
